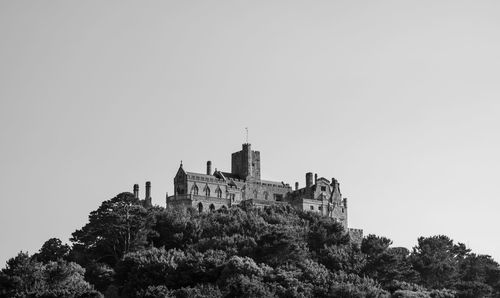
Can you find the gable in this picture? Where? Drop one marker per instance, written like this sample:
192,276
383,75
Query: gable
181,175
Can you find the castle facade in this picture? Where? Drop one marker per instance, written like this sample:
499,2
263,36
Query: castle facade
243,186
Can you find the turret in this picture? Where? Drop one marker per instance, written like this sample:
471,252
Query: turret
136,191
309,179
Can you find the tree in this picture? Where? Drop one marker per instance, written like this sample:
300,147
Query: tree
152,267
373,245
52,250
324,231
479,277
171,268
281,245
175,229
26,277
346,258
118,226
22,275
100,275
435,258
384,263
353,286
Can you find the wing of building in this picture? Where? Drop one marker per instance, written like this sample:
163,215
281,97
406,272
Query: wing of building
243,186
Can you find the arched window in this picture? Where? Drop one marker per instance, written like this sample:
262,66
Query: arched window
255,193
212,207
200,207
218,191
194,190
266,195
223,208
207,191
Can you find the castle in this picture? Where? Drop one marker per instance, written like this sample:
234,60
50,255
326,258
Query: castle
243,186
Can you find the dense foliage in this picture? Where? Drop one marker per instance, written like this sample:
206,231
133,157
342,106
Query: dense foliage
126,250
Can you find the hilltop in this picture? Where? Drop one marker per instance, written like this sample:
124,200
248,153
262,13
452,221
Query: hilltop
128,250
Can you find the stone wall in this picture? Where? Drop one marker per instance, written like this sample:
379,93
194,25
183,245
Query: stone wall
187,201
265,190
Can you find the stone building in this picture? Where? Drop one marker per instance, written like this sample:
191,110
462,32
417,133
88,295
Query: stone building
243,186
218,189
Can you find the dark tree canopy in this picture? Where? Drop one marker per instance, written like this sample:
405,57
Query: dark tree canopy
24,276
118,226
126,250
52,250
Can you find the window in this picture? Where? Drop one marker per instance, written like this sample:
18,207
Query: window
212,208
194,190
320,208
312,207
180,191
207,191
255,193
266,195
200,207
218,191
323,188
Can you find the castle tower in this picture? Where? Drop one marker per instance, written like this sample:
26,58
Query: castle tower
246,163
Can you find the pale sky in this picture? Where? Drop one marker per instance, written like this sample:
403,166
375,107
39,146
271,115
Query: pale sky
398,100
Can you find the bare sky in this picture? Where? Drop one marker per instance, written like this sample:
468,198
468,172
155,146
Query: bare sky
398,100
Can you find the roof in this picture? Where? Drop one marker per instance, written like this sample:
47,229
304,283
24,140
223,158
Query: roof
273,182
199,175
231,176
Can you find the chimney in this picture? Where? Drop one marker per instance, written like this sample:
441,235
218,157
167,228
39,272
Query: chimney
315,178
136,191
147,199
209,167
148,190
309,179
296,186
